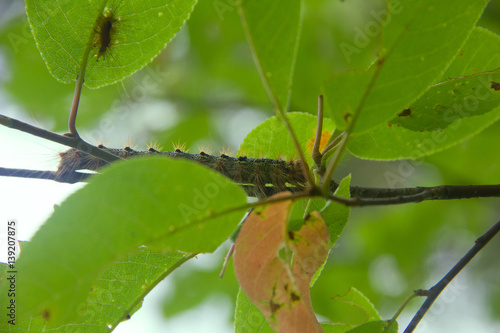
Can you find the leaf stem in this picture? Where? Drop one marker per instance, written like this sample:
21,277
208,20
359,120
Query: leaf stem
434,292
400,310
316,155
81,77
74,106
350,127
332,144
333,164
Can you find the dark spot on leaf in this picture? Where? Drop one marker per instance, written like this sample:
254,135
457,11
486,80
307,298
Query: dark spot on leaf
495,85
347,116
294,297
405,113
274,306
461,53
390,125
291,235
127,316
46,314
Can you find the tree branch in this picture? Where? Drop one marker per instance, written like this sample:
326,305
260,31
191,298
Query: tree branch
74,142
70,178
434,292
441,192
360,196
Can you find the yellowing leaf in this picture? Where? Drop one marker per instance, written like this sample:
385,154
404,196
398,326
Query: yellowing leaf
275,266
325,136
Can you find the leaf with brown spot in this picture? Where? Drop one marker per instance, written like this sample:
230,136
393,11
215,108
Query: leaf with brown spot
405,113
445,102
276,284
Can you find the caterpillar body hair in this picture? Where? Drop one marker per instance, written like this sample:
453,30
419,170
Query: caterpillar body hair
267,175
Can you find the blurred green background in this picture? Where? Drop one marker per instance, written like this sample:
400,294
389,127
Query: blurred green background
204,89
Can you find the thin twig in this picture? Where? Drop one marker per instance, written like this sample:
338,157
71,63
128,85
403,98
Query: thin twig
439,287
70,141
316,155
278,107
228,257
327,176
332,144
350,127
69,177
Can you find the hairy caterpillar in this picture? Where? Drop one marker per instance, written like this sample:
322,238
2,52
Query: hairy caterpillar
262,173
105,32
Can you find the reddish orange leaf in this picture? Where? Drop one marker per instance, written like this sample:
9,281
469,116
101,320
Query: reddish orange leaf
275,266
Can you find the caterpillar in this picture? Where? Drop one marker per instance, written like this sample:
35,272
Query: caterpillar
105,32
268,176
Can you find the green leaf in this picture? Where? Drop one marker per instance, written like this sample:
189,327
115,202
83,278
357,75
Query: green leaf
356,298
273,30
183,297
32,86
248,318
481,53
116,294
379,326
335,214
418,44
122,37
343,92
335,327
271,139
388,143
373,323
161,202
448,101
